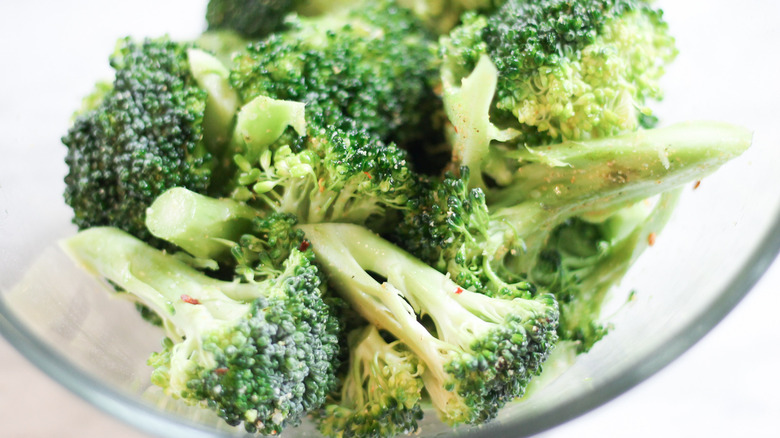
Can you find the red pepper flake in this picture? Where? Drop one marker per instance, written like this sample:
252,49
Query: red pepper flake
696,184
459,290
368,175
651,239
189,300
221,371
304,246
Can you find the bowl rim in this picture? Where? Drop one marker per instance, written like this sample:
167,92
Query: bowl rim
144,417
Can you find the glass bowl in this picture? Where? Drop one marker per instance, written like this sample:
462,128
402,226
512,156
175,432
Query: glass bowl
721,239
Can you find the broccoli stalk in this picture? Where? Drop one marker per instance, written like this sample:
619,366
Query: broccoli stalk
579,176
478,353
204,227
381,391
532,234
259,352
489,242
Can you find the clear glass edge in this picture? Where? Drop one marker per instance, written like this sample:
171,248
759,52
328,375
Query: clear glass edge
149,420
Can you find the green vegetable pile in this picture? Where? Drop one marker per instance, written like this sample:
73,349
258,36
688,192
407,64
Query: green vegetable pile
363,211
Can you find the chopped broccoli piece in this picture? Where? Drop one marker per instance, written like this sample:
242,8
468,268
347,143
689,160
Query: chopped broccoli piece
338,176
261,353
508,242
567,70
479,352
448,222
159,126
364,77
381,391
249,18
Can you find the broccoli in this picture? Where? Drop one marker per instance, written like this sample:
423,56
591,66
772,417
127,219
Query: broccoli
251,19
478,352
547,71
569,70
226,181
160,124
362,75
338,176
260,351
381,392
584,258
512,241
368,68
447,222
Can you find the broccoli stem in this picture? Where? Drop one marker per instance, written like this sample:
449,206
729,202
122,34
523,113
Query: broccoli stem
578,176
162,282
261,121
601,176
222,101
204,227
349,253
468,107
190,303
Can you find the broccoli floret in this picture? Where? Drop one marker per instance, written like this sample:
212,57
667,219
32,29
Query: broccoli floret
381,391
568,70
259,352
478,352
159,125
249,18
368,68
547,71
346,176
449,226
364,78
